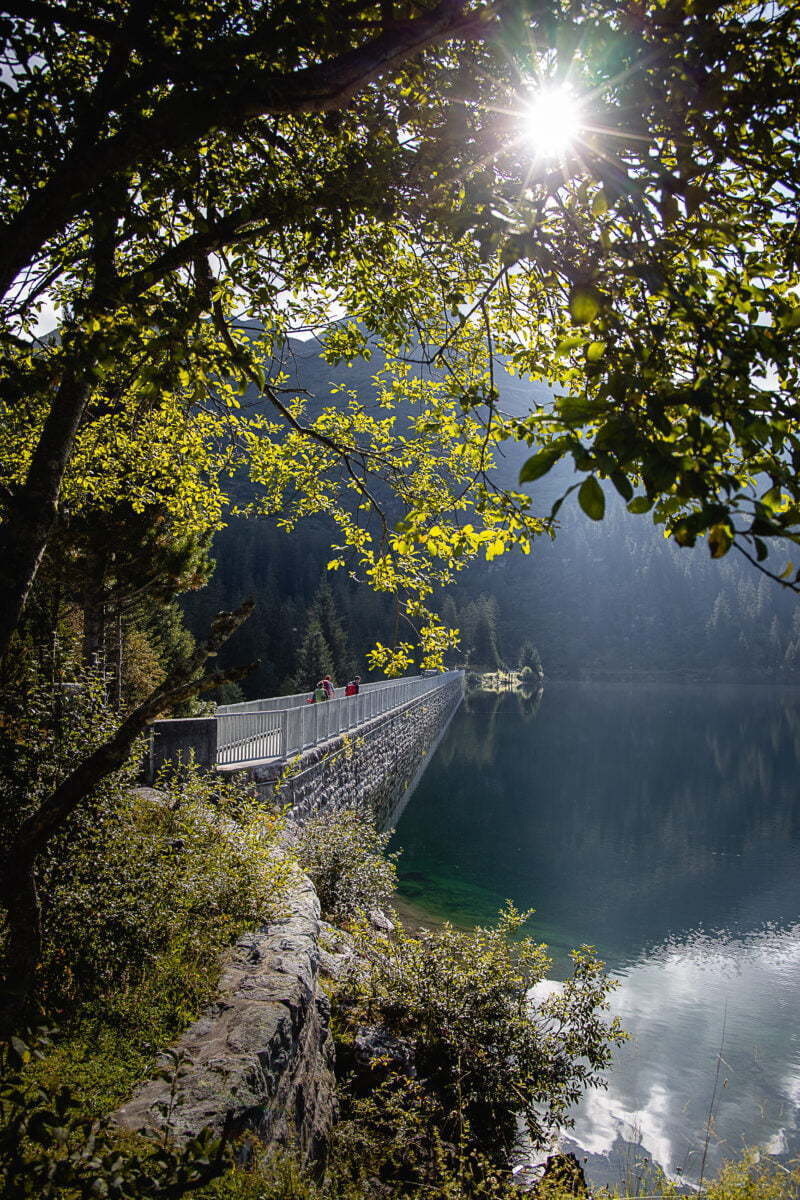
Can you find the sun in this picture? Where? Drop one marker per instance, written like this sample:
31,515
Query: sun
552,120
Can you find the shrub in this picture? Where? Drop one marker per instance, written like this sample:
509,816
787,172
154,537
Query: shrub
344,855
483,1050
395,1143
754,1178
49,1148
148,877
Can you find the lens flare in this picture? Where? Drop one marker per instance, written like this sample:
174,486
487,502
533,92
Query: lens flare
552,120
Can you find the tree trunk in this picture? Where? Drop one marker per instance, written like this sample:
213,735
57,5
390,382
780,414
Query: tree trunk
94,633
32,513
23,942
116,662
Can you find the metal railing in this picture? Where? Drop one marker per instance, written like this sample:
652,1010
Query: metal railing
278,703
251,731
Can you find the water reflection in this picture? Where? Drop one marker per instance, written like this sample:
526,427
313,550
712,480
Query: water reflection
685,1005
661,824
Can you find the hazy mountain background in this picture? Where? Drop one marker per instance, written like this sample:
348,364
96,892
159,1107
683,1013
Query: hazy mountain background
604,600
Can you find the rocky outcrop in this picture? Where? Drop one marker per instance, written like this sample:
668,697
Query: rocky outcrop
260,1060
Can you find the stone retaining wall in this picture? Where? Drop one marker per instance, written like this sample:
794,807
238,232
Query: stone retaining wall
370,769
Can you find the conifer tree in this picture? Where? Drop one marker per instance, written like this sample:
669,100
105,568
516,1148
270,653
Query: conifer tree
325,612
529,657
484,651
314,659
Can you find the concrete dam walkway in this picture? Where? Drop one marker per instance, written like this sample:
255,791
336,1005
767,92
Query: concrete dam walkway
361,750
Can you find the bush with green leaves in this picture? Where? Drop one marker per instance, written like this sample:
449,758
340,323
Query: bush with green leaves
345,856
399,1141
483,1049
49,1148
148,877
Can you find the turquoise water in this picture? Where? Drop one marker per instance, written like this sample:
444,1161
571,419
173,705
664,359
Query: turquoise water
661,824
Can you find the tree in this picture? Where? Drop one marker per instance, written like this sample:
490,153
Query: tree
170,164
314,660
116,564
483,650
166,160
530,657
324,611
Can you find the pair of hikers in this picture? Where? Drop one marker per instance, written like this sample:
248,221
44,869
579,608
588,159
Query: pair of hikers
325,689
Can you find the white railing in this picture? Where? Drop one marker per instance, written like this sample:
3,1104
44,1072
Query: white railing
277,703
247,732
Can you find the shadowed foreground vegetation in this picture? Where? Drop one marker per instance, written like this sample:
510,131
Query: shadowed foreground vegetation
465,1056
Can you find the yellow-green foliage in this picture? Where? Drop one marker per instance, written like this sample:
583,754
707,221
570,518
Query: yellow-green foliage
142,895
142,875
345,856
754,1178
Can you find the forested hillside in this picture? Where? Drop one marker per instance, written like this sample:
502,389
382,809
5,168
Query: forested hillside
606,599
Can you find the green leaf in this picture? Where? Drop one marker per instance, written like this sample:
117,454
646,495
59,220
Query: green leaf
539,464
595,351
622,484
720,540
584,304
574,409
569,343
640,504
591,498
599,204
683,535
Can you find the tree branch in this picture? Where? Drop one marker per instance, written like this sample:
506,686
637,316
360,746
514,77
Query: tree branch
186,116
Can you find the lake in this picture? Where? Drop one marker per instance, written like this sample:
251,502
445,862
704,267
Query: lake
660,824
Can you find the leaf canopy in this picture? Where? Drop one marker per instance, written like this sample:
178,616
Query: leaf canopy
173,166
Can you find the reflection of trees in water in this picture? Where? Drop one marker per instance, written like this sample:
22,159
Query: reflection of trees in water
636,775
702,786
480,721
623,814
529,701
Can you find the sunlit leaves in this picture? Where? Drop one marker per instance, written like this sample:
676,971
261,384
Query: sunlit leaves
584,304
720,539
